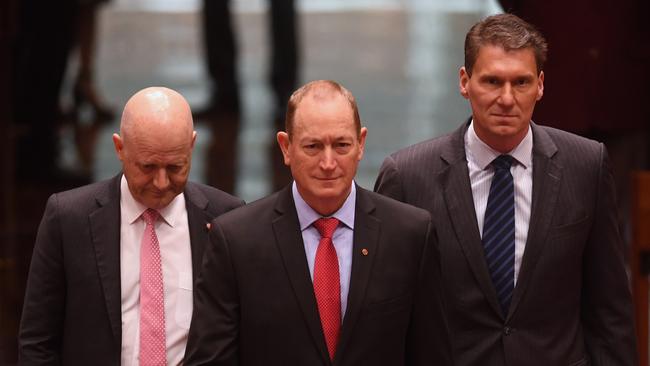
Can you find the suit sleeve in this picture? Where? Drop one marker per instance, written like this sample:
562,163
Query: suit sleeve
214,332
388,181
40,334
607,313
428,336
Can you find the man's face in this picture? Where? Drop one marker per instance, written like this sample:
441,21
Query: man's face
155,168
323,152
502,92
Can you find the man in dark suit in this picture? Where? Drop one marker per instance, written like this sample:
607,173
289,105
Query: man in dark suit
322,272
525,218
111,278
599,38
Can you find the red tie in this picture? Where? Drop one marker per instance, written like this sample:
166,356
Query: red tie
327,286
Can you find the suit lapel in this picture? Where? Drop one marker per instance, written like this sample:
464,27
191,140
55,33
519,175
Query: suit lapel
105,236
546,184
292,250
460,205
366,236
197,218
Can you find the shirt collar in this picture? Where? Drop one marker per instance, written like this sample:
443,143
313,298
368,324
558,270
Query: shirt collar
482,154
307,215
133,209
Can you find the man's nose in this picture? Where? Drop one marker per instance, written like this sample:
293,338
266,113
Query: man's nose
161,179
328,159
506,98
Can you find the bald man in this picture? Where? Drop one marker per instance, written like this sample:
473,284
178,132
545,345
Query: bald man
114,263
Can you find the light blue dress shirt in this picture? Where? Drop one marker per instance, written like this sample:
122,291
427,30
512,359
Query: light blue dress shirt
342,238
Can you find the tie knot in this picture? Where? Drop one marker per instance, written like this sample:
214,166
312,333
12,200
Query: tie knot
502,162
326,226
150,216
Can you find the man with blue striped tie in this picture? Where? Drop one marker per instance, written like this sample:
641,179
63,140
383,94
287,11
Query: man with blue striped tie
525,216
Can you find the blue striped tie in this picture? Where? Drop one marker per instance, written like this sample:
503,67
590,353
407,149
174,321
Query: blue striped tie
499,231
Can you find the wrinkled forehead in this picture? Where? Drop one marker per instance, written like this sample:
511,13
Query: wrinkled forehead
324,114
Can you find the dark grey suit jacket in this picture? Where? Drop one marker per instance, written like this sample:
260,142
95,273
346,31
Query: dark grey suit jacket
571,304
255,304
72,310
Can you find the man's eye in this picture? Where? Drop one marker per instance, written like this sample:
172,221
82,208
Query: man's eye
521,82
174,168
310,146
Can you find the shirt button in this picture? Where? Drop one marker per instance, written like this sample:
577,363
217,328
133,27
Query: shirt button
507,331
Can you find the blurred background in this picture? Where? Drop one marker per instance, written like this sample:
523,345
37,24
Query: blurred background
67,68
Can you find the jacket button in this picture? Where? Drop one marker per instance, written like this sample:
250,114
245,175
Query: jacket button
507,331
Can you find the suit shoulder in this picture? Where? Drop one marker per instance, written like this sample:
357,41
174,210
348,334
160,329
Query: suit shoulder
574,150
83,198
216,196
250,213
387,206
426,149
567,139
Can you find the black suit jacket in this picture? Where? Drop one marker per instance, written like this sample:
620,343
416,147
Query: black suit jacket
571,304
255,304
72,309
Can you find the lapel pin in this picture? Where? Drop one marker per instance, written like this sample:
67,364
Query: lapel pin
208,226
364,251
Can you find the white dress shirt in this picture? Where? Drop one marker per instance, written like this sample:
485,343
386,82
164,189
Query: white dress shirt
479,157
173,234
342,238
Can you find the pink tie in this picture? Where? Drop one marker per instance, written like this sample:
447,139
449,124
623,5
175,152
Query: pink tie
152,296
327,285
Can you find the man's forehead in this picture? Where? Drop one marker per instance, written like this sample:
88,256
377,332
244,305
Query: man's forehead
494,56
163,159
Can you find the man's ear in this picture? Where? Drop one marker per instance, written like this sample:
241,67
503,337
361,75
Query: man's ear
540,85
284,142
193,139
119,146
362,142
463,81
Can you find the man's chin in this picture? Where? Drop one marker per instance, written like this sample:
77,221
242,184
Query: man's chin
157,203
328,183
333,191
506,129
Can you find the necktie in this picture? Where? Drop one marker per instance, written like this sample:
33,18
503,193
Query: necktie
152,303
499,231
327,287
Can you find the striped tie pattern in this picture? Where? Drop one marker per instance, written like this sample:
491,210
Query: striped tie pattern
499,231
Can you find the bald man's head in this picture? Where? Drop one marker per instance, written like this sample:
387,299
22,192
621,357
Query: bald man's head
157,110
155,145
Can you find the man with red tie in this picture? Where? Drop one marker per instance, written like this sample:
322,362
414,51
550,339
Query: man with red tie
322,272
114,263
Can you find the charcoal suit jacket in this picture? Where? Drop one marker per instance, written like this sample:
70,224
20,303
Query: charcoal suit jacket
255,303
72,310
571,304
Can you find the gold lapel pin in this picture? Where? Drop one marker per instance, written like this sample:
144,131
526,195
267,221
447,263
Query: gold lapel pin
364,251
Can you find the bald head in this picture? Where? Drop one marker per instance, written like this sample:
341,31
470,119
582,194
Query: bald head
158,111
155,145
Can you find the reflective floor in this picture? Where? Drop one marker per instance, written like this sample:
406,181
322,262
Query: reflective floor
400,59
